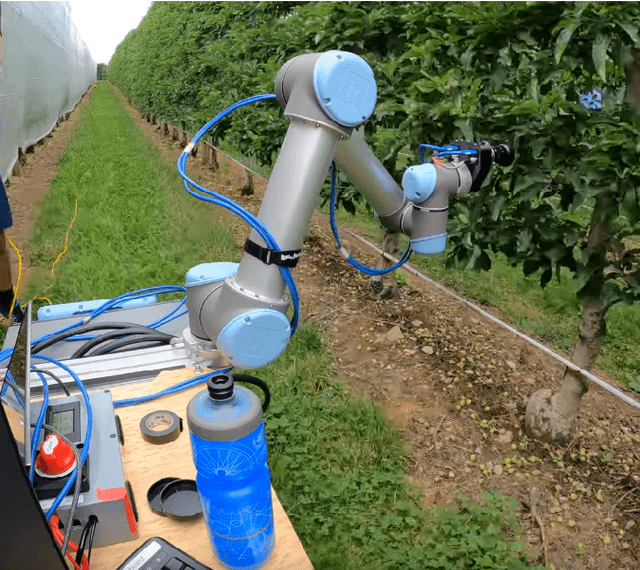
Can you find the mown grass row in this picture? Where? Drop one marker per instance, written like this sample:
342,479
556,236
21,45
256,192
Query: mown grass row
136,226
336,462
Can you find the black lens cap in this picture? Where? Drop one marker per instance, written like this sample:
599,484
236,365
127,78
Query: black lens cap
153,494
180,500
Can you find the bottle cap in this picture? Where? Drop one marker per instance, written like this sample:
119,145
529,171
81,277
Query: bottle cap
220,387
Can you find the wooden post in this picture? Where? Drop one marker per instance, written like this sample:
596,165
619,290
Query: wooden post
175,134
385,286
164,129
247,184
16,169
183,135
205,153
213,163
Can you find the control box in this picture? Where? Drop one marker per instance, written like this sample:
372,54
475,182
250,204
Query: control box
105,492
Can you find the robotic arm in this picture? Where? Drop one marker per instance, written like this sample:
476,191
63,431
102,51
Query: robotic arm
237,312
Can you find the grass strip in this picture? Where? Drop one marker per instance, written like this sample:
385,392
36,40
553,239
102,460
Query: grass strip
136,226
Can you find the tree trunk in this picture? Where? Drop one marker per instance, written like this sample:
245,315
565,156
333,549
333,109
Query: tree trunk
385,286
552,417
634,85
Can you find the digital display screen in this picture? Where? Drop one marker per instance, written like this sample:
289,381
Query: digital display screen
63,421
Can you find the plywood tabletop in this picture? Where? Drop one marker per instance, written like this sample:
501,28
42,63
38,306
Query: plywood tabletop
146,463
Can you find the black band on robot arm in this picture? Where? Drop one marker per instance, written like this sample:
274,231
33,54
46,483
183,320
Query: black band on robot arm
270,256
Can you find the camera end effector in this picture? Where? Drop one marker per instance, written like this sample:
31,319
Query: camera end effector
420,208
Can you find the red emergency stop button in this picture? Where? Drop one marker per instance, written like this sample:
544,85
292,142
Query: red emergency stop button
56,458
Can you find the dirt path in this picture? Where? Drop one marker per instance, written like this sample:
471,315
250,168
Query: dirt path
456,386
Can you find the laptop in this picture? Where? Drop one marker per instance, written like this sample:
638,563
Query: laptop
26,541
16,391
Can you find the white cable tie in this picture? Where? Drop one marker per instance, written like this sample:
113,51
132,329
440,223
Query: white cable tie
345,253
86,319
188,148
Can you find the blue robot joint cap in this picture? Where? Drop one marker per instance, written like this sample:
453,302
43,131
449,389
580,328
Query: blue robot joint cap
345,87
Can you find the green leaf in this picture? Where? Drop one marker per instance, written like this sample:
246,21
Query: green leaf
599,55
465,127
526,108
631,30
563,40
496,207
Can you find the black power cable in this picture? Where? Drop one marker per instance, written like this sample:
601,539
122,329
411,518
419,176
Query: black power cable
52,375
130,340
149,344
256,382
90,327
88,533
87,346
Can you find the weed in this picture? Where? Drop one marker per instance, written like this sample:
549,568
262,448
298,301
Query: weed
400,278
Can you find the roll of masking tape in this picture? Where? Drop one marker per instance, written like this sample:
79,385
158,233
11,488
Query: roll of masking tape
161,426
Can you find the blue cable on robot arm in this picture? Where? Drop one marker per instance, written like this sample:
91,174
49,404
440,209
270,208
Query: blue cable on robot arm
284,271
334,228
184,385
223,201
169,316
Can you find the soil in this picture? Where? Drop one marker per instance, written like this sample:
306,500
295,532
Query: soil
454,383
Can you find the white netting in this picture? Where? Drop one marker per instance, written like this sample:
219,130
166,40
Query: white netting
44,71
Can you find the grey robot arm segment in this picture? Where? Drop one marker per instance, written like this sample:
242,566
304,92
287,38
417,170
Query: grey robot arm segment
243,316
419,211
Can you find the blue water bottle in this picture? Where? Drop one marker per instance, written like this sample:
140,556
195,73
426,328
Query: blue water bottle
230,455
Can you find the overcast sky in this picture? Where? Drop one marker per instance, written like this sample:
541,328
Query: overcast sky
103,24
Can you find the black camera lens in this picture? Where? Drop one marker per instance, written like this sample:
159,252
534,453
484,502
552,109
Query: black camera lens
503,155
